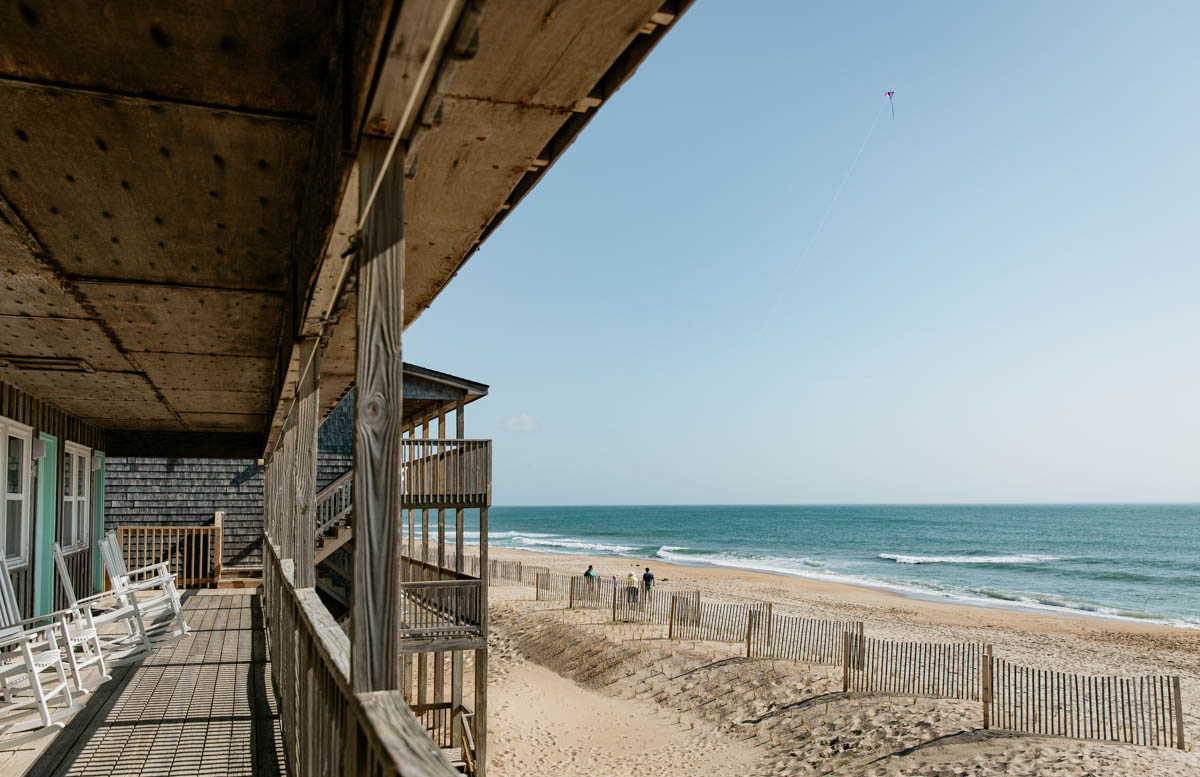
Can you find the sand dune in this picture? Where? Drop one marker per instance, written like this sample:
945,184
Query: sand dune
576,694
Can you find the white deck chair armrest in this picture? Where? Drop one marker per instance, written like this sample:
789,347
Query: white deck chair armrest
88,600
13,640
30,634
53,617
146,585
162,564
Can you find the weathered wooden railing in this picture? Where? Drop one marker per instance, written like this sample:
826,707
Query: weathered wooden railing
439,720
447,473
327,728
193,553
416,569
439,608
466,724
334,503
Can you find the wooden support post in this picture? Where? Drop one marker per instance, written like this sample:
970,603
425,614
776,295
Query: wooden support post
481,712
537,586
987,687
456,689
571,596
749,628
422,678
306,463
439,677
481,656
483,565
443,462
379,392
412,540
218,539
285,462
432,465
459,434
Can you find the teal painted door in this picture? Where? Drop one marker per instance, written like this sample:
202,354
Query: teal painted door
47,512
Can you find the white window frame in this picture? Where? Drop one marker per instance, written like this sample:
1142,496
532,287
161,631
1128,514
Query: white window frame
10,428
82,513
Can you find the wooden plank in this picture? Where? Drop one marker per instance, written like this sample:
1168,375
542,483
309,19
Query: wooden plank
379,376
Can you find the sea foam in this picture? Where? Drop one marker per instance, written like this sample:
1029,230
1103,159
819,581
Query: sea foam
1012,559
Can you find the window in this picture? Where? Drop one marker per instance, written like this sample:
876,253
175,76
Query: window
14,450
77,475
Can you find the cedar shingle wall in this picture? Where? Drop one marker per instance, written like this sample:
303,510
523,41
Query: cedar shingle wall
157,492
335,443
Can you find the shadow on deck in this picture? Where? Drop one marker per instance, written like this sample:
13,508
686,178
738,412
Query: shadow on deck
197,705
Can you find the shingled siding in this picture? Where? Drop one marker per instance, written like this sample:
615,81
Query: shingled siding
335,443
158,492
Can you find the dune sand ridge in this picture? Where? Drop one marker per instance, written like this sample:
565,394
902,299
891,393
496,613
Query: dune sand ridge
573,693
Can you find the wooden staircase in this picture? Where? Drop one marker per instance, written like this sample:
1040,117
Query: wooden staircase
328,543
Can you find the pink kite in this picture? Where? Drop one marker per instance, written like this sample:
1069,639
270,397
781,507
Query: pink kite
889,96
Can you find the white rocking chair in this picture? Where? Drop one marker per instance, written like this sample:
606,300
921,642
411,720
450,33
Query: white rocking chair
27,652
151,609
121,648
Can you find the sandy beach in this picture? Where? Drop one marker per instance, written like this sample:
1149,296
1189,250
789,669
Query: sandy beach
577,694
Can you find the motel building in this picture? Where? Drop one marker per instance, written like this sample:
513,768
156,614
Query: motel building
216,222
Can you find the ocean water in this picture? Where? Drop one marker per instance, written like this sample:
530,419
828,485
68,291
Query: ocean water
1126,561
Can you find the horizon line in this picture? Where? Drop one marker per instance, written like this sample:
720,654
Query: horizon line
862,504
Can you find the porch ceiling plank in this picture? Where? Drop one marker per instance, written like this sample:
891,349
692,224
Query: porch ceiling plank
154,193
31,289
205,371
137,425
418,23
84,339
467,168
266,56
242,422
216,401
562,45
56,386
106,411
149,317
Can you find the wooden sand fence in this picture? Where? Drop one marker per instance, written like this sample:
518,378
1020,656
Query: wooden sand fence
944,670
686,616
792,638
1134,710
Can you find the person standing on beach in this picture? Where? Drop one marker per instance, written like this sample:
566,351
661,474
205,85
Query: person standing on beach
647,582
630,588
590,576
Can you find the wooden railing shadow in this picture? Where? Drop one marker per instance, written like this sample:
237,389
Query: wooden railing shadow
264,750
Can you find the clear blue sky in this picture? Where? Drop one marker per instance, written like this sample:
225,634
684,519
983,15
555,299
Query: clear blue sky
1003,304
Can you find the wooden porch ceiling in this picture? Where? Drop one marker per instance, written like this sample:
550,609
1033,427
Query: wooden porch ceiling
179,184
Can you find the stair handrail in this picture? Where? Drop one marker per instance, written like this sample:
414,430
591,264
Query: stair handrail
468,739
328,493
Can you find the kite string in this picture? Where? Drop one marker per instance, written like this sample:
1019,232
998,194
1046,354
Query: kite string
838,192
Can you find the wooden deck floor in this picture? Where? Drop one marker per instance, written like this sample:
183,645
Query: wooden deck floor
198,705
